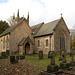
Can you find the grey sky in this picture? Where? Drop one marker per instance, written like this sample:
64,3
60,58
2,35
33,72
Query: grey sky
40,10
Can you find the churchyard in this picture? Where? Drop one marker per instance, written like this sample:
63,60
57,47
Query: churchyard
37,64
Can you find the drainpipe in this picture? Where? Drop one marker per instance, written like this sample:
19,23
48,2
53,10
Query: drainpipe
50,42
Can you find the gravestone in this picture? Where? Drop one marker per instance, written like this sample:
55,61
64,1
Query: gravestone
22,57
8,52
23,53
72,63
13,60
60,55
64,64
52,67
4,55
49,54
40,54
17,57
0,57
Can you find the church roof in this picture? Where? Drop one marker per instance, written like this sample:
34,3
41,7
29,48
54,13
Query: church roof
8,30
24,40
47,28
35,27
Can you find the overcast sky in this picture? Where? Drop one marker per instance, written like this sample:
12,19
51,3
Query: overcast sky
40,10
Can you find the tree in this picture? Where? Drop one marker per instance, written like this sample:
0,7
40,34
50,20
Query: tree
3,26
10,20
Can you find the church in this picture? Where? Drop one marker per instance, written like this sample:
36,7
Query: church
23,39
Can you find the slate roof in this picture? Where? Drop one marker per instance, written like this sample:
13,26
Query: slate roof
34,28
47,28
8,30
22,41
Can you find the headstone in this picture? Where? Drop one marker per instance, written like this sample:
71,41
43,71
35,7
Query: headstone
49,54
72,63
60,55
52,67
17,57
40,54
4,55
64,64
64,57
8,52
23,53
13,60
22,57
0,57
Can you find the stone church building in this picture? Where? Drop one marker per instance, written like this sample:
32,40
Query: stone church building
23,39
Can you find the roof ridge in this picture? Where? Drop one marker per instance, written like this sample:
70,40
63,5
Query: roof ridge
53,21
47,28
37,24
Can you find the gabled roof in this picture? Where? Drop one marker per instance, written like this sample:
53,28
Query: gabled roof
47,28
8,30
35,27
24,40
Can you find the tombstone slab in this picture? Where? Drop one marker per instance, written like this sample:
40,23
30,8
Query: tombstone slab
8,52
64,64
13,60
22,57
52,67
17,57
40,54
72,62
4,55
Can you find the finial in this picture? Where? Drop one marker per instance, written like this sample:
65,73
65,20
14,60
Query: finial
13,15
28,18
28,15
18,13
61,15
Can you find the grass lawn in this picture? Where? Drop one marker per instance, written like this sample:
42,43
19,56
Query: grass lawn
41,64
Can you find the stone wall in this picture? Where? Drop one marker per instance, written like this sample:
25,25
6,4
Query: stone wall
61,28
22,30
4,43
43,44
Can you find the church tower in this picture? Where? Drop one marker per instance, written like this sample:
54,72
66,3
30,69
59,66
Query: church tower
18,18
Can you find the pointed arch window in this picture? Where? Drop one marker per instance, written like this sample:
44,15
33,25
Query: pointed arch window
38,43
46,42
62,41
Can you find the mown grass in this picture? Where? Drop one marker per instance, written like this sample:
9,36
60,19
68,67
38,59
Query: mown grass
41,64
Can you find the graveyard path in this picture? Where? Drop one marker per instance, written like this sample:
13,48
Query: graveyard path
21,68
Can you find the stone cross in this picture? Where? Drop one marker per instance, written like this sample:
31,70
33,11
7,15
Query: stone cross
71,54
52,56
63,56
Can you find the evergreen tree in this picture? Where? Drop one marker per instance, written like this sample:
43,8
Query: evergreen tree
3,26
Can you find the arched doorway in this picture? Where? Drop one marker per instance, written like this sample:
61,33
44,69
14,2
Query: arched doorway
27,48
62,41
